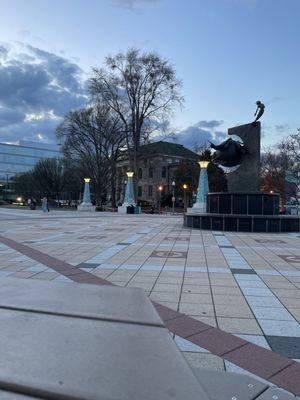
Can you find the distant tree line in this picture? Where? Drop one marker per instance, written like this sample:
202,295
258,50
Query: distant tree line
128,99
277,161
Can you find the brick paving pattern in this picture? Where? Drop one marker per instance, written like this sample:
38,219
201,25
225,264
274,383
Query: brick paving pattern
245,285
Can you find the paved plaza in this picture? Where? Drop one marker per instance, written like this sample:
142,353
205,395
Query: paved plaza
227,298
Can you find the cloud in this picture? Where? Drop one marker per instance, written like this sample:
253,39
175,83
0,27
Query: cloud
284,128
37,88
209,124
132,4
199,134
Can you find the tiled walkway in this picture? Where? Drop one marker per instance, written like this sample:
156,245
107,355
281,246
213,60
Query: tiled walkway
247,285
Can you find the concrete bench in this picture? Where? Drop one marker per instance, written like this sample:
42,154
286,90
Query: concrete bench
77,341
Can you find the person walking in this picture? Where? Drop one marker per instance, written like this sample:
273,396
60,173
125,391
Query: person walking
44,204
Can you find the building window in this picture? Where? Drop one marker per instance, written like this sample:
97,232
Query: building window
150,191
139,191
140,173
151,172
164,172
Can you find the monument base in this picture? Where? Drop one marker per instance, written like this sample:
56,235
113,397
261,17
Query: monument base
195,210
242,212
122,209
248,203
86,207
242,223
132,210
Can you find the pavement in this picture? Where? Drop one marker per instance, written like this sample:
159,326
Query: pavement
230,300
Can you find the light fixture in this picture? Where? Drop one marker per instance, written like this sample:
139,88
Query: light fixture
87,180
271,191
130,174
173,183
19,199
160,188
203,164
185,186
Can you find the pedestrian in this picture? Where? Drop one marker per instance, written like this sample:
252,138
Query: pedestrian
29,203
48,209
44,204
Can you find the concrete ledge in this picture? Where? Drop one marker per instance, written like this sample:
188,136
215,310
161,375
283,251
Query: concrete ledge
68,356
86,207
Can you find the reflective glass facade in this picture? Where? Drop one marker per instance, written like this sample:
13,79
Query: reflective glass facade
22,156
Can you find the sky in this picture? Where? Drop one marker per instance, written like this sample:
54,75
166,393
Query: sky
227,53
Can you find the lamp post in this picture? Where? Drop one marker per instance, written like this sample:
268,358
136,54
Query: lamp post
129,195
6,188
200,205
86,204
185,186
173,197
124,189
160,188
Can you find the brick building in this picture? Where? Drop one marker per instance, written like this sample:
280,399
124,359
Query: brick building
157,163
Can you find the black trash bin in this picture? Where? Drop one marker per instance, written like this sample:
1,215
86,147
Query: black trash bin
130,209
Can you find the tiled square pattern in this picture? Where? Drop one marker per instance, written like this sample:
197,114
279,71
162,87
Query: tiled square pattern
245,285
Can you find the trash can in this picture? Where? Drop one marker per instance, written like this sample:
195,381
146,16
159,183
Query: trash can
130,209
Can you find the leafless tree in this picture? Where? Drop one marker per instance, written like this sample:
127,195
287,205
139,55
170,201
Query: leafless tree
277,161
93,138
51,176
142,89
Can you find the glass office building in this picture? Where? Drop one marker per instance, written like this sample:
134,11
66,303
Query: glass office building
21,157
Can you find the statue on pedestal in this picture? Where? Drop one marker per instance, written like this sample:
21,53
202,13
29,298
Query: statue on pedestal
229,153
243,154
259,111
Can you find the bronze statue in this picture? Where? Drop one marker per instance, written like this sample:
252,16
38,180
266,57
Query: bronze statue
259,111
229,153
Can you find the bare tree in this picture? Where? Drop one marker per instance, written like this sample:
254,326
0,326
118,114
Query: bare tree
141,89
277,161
51,176
93,138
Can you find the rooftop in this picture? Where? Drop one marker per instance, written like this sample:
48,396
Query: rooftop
167,148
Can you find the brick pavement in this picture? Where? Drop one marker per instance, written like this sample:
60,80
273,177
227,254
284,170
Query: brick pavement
247,285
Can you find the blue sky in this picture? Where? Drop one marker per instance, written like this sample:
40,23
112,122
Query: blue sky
228,54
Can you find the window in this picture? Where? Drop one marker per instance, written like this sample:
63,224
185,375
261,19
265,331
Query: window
150,191
139,191
164,172
140,174
151,172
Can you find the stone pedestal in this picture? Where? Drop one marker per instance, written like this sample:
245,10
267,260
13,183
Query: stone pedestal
199,206
246,178
86,207
122,209
86,204
129,195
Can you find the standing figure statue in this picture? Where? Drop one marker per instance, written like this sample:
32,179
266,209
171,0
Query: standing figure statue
259,111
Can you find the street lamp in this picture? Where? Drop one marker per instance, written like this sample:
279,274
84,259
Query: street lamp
160,188
124,189
185,186
173,197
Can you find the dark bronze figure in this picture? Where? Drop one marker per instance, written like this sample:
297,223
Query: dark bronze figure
259,111
229,153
